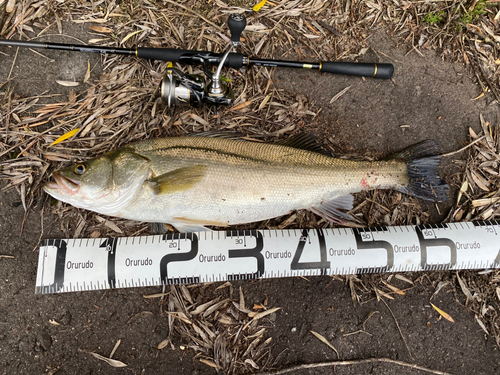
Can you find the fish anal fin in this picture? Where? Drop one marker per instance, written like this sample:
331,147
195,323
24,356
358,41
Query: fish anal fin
303,141
184,224
178,180
330,210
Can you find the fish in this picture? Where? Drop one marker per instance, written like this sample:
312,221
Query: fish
194,182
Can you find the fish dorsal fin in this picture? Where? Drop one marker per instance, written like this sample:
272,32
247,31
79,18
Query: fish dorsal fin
178,179
303,141
330,210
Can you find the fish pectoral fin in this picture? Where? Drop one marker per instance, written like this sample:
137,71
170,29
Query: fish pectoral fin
177,180
330,210
183,224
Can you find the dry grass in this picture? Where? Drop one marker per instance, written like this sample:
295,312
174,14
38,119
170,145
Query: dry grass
225,333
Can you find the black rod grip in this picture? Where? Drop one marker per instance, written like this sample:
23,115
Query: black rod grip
382,71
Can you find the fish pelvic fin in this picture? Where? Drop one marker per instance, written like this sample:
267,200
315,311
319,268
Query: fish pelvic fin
177,180
424,181
331,210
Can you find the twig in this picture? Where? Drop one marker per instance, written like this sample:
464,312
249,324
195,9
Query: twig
353,362
13,64
465,147
399,328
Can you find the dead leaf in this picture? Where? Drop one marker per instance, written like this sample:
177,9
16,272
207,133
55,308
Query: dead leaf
394,289
178,316
464,288
472,133
481,324
198,119
257,7
440,286
402,278
378,291
338,95
101,29
10,6
480,182
163,344
109,361
264,102
115,347
203,307
65,136
67,83
155,295
442,313
479,96
242,300
130,36
242,105
325,341
256,315
251,363
87,75
208,362
463,189
113,226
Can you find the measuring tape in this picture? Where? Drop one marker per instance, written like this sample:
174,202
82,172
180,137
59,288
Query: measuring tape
183,258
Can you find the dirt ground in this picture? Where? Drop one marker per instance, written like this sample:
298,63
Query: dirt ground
427,98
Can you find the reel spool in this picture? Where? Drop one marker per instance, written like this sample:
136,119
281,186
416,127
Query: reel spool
177,88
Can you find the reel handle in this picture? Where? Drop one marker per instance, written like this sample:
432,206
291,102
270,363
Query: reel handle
236,23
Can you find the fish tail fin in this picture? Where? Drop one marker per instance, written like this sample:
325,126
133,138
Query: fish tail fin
423,178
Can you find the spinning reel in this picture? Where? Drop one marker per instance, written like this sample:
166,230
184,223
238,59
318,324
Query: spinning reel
193,90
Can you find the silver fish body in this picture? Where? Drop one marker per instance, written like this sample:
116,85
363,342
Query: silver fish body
190,182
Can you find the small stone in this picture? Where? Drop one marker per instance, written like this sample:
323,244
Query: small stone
45,341
65,319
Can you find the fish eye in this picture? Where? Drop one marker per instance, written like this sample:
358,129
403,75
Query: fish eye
80,169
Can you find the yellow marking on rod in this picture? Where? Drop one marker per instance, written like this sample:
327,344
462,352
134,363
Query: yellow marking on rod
170,65
374,74
320,66
307,66
257,7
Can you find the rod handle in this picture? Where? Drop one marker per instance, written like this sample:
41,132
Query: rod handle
381,71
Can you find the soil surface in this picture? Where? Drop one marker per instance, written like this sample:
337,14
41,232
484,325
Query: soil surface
427,98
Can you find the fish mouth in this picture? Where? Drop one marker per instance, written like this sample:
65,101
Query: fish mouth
63,184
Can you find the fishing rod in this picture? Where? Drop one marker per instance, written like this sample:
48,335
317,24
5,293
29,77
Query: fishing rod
178,88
